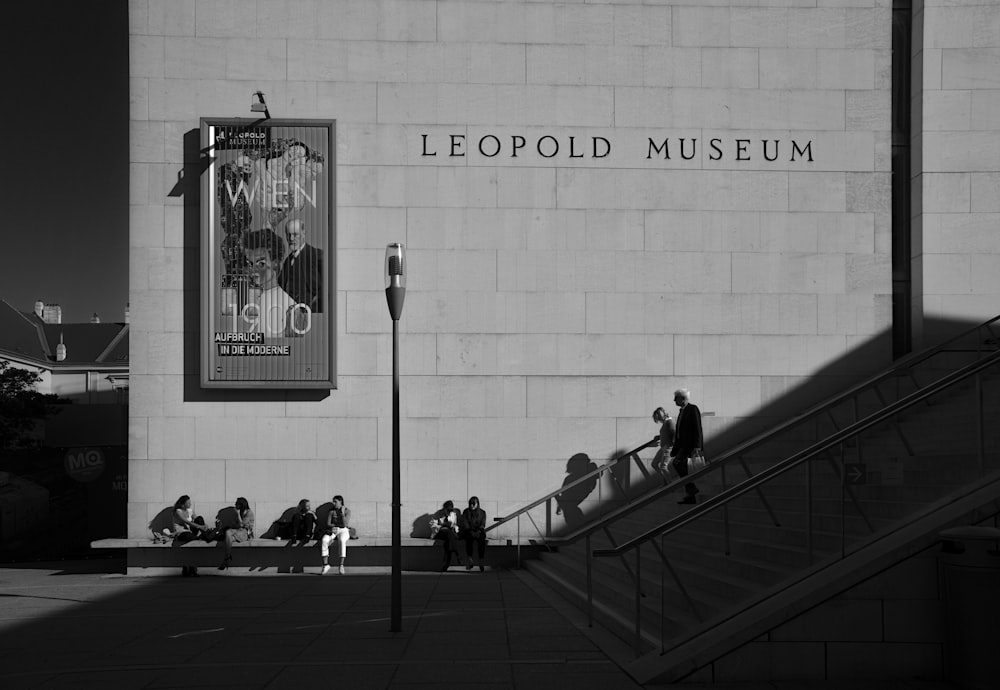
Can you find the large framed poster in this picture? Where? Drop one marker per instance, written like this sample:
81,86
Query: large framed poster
268,254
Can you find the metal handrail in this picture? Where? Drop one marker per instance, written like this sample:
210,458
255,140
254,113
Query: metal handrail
901,365
789,463
583,478
719,462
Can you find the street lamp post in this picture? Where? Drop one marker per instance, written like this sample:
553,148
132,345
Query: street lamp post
395,291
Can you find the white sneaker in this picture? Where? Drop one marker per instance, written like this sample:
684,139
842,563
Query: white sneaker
325,570
341,570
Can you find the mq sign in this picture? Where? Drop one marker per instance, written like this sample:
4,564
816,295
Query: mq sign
84,464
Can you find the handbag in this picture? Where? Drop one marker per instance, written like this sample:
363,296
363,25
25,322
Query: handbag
214,534
697,461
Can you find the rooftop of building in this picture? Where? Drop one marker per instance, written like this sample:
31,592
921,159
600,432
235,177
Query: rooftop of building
26,336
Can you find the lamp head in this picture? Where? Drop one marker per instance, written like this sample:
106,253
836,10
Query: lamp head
395,279
395,266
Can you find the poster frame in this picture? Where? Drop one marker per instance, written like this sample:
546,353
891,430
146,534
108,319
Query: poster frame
209,255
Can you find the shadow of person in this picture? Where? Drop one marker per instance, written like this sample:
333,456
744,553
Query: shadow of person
621,476
422,527
322,515
569,501
227,517
282,527
163,522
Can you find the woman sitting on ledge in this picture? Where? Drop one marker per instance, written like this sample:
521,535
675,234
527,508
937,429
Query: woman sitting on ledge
338,522
444,528
241,533
187,528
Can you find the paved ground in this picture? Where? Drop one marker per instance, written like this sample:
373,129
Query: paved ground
71,629
76,626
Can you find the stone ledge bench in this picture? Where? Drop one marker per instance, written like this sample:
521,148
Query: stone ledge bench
146,557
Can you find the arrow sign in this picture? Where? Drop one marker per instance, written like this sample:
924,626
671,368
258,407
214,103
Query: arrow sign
854,473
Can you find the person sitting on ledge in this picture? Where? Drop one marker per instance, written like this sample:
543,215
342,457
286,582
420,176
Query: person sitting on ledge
240,533
444,528
187,527
337,528
473,531
304,522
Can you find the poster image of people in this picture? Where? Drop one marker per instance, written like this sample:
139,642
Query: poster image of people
268,246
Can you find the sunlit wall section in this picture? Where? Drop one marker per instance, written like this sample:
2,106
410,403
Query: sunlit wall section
956,176
600,202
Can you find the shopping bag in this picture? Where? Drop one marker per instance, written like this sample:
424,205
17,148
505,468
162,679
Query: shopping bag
696,461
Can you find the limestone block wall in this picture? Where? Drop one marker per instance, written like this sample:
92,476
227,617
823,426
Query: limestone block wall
956,172
601,201
891,626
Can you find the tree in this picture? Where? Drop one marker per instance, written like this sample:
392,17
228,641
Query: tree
22,406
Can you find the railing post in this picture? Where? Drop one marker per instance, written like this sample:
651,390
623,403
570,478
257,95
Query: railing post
809,510
843,487
638,604
980,427
600,492
548,518
663,601
725,511
517,559
590,585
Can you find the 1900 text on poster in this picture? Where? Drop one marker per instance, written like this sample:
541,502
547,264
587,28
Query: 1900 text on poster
268,252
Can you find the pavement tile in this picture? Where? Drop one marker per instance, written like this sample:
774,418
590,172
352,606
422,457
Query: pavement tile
536,642
355,649
365,632
273,654
47,660
454,649
464,604
560,655
104,679
452,672
463,623
545,677
344,675
26,682
223,675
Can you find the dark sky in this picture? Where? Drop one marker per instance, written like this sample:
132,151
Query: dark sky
65,177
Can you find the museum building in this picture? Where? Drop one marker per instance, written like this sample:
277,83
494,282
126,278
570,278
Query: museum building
601,202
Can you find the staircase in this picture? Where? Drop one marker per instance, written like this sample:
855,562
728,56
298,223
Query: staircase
793,516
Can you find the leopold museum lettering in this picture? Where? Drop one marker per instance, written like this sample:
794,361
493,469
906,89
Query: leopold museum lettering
659,148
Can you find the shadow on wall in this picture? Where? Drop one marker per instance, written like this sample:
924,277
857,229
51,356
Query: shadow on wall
862,362
422,527
188,186
163,521
227,517
865,360
568,502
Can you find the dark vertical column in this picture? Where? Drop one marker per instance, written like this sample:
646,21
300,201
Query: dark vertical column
396,624
902,284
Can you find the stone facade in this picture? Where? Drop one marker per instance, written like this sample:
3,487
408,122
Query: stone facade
559,290
956,176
